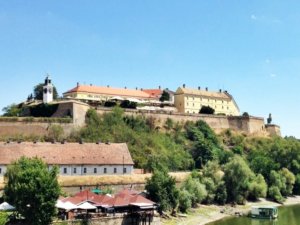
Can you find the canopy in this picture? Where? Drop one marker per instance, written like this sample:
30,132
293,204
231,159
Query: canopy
86,205
65,205
5,206
117,98
134,100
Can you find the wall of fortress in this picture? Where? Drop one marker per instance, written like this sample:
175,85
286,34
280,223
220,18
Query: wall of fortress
248,125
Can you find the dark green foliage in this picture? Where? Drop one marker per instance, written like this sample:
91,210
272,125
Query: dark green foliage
128,105
38,91
205,145
161,188
206,110
32,189
165,96
245,114
146,145
12,110
110,104
297,185
43,110
221,194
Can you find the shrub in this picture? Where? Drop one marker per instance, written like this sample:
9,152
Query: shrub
274,194
185,201
206,110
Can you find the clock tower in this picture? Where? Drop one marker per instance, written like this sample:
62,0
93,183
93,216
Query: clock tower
47,90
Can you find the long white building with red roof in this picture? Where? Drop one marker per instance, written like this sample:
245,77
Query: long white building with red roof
73,159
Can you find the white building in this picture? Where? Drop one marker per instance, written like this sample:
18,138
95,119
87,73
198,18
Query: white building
73,159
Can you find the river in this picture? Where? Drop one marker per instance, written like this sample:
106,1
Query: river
287,215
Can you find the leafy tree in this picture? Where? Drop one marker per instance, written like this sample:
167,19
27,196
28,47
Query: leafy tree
32,189
185,201
237,177
258,188
206,110
289,179
12,110
221,194
165,96
38,91
128,104
274,194
161,188
196,190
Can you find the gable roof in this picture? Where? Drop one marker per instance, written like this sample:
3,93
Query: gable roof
204,93
68,153
109,91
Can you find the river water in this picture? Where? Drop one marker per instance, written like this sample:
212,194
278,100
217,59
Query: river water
287,215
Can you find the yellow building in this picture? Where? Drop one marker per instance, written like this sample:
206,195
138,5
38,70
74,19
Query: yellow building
189,100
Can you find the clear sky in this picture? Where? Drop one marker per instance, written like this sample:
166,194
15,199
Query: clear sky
250,48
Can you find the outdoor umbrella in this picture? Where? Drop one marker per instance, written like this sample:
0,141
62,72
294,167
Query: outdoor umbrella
5,207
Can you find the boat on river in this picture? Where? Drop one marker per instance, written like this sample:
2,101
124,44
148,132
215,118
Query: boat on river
264,212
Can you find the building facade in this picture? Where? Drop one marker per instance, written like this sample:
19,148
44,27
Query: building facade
73,159
190,101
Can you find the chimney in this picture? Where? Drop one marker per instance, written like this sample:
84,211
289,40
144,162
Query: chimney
108,86
77,84
183,85
98,142
199,88
159,87
81,141
142,89
125,87
136,88
206,88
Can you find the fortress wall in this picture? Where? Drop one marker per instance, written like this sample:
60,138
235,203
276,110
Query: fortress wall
248,125
29,128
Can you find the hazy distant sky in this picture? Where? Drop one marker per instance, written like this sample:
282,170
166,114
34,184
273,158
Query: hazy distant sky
250,48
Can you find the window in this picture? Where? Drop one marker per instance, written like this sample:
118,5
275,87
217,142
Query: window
124,170
84,170
115,170
74,170
65,170
105,170
95,170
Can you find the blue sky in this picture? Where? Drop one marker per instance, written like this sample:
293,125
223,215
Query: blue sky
250,48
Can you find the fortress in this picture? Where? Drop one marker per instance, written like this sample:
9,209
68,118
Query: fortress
183,105
248,125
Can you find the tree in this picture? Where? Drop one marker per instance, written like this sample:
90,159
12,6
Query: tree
161,188
165,96
12,110
196,190
38,92
237,177
206,110
32,189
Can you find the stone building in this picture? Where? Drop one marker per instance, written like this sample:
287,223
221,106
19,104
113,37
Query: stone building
190,101
73,159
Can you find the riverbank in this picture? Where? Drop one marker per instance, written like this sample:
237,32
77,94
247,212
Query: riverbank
206,214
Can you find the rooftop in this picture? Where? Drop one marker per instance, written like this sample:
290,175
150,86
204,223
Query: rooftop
206,93
67,153
109,91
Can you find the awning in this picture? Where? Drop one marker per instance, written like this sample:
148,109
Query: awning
6,207
86,206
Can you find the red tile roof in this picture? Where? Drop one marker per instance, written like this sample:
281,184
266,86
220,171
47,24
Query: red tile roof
122,92
68,153
154,93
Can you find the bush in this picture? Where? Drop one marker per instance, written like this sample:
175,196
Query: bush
221,194
206,110
274,194
185,201
128,105
110,104
196,190
43,110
